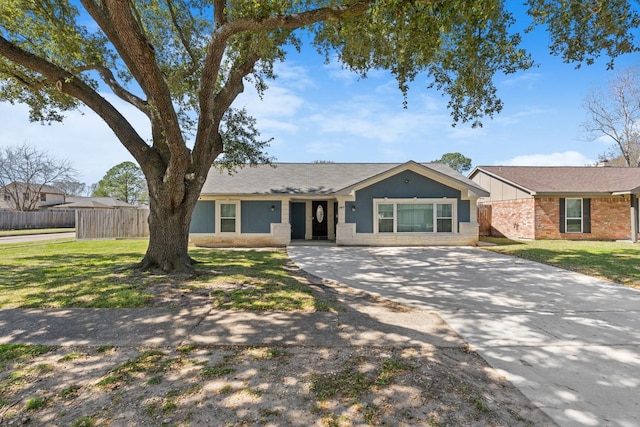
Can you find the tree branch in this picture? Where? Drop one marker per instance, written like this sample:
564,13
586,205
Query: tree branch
71,85
118,90
117,20
183,40
297,20
225,29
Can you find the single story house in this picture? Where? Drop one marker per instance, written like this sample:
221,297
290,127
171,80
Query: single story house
76,202
349,203
585,203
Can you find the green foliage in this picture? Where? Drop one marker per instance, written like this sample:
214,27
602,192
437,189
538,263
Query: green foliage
124,182
34,403
460,44
455,161
581,31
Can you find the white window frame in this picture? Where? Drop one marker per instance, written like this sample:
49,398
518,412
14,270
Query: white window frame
567,218
417,201
219,217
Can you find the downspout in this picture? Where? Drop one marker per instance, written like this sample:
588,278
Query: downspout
634,218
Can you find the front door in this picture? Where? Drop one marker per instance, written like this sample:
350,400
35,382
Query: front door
319,211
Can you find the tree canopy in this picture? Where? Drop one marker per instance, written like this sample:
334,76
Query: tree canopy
455,161
124,182
183,63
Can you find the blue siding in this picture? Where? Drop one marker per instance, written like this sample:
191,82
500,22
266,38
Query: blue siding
203,219
407,184
256,216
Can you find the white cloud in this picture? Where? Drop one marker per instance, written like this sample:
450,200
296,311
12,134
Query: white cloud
324,148
378,118
295,76
567,158
526,80
519,116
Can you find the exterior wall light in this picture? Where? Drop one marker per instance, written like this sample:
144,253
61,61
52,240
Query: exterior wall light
273,208
353,208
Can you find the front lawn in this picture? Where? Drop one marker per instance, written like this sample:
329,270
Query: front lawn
98,274
616,261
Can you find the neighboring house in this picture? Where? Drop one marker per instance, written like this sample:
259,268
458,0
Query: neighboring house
586,203
22,196
94,203
349,203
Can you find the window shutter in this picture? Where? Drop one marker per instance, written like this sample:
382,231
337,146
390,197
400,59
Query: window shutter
562,216
586,215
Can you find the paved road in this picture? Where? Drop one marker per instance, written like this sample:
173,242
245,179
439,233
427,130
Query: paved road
36,237
569,342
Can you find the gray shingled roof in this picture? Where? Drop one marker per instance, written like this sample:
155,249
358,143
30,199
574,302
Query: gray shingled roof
309,178
557,179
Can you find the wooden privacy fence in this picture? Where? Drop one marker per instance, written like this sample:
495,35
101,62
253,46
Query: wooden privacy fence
112,223
484,219
13,220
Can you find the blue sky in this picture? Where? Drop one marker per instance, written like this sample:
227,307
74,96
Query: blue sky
315,111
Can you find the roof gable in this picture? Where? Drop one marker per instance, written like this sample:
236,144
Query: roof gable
566,179
322,178
435,171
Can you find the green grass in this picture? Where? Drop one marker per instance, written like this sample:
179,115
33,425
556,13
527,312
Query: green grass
97,274
14,352
616,261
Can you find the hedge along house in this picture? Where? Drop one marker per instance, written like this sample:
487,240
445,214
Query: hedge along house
573,203
349,203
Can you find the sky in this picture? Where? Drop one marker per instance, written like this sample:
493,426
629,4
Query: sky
317,111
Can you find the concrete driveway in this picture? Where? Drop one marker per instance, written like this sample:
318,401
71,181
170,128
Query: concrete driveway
569,342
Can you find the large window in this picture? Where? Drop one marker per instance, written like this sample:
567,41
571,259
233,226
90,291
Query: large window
228,217
414,216
573,215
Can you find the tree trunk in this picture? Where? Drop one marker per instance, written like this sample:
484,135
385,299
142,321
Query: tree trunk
169,237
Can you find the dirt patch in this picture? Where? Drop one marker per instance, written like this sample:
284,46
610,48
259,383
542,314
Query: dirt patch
270,386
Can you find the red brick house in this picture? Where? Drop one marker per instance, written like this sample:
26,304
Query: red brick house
573,203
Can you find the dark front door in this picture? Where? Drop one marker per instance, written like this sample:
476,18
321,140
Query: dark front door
298,218
320,220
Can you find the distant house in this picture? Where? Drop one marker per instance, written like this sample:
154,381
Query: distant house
22,196
74,202
349,203
586,203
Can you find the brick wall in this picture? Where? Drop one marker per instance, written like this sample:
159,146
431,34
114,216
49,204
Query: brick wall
610,219
547,218
512,218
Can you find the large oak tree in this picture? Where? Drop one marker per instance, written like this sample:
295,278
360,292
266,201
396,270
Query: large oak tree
183,63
